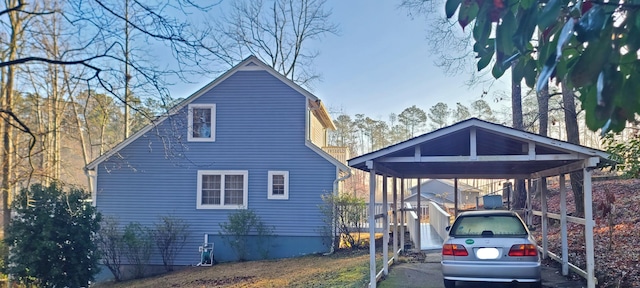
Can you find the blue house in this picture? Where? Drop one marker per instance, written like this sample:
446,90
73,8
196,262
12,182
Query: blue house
251,139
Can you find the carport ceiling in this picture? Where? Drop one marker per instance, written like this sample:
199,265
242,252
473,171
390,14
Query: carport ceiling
475,149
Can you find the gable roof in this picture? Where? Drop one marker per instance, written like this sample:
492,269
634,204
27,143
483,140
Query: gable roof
462,187
251,63
428,197
476,149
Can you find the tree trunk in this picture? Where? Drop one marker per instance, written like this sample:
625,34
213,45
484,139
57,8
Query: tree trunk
8,132
573,136
543,122
520,194
543,112
126,71
7,161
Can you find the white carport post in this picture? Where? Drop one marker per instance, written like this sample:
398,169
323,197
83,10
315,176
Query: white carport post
585,166
545,220
385,227
563,226
419,213
402,214
372,224
589,224
395,219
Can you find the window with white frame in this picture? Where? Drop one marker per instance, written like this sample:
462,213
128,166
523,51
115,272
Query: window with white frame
278,185
222,189
202,122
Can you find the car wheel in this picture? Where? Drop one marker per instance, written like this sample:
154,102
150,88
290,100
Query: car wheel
449,283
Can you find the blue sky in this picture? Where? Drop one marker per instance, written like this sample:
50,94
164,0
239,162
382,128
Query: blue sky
379,64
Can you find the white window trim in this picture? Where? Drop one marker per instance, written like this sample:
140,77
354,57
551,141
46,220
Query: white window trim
270,195
190,137
223,173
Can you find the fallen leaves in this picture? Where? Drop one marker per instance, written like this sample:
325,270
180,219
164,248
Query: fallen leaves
615,267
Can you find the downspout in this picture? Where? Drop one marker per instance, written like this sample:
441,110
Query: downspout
333,223
92,185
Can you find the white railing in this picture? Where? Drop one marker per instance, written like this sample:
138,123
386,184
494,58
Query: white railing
379,222
439,219
424,210
588,222
340,153
413,224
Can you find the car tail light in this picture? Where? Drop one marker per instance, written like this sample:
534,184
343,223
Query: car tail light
523,250
454,250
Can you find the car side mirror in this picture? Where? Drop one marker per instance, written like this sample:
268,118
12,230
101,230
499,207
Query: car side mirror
447,228
532,228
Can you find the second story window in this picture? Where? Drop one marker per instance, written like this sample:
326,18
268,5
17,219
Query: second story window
202,122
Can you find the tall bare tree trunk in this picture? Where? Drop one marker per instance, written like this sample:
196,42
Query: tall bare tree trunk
543,112
84,145
56,102
51,95
127,77
543,122
8,105
520,194
573,136
7,152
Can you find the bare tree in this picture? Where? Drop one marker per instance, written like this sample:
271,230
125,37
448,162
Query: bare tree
278,33
453,47
11,53
93,45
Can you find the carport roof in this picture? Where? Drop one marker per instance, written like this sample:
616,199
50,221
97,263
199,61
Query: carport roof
477,149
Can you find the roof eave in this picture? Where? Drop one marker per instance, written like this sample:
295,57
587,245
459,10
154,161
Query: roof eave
320,111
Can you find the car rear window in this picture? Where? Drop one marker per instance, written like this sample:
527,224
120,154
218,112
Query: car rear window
488,226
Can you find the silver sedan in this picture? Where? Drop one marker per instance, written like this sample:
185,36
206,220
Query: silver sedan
490,246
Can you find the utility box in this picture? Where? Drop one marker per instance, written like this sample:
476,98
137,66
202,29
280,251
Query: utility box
492,201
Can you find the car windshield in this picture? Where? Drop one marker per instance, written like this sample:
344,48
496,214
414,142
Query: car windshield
488,226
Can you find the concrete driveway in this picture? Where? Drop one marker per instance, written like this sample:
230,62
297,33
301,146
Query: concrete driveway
427,273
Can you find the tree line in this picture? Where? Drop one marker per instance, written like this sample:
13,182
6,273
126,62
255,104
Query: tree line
363,134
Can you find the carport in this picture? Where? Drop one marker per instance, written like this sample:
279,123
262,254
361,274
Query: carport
476,149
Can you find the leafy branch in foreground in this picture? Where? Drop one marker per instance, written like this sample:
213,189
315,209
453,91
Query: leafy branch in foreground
588,46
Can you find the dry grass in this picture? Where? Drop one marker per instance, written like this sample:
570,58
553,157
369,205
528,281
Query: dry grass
346,268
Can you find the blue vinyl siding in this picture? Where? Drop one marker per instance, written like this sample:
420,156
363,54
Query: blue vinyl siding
260,126
280,247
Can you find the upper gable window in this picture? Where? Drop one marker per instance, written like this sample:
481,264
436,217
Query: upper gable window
278,185
202,122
